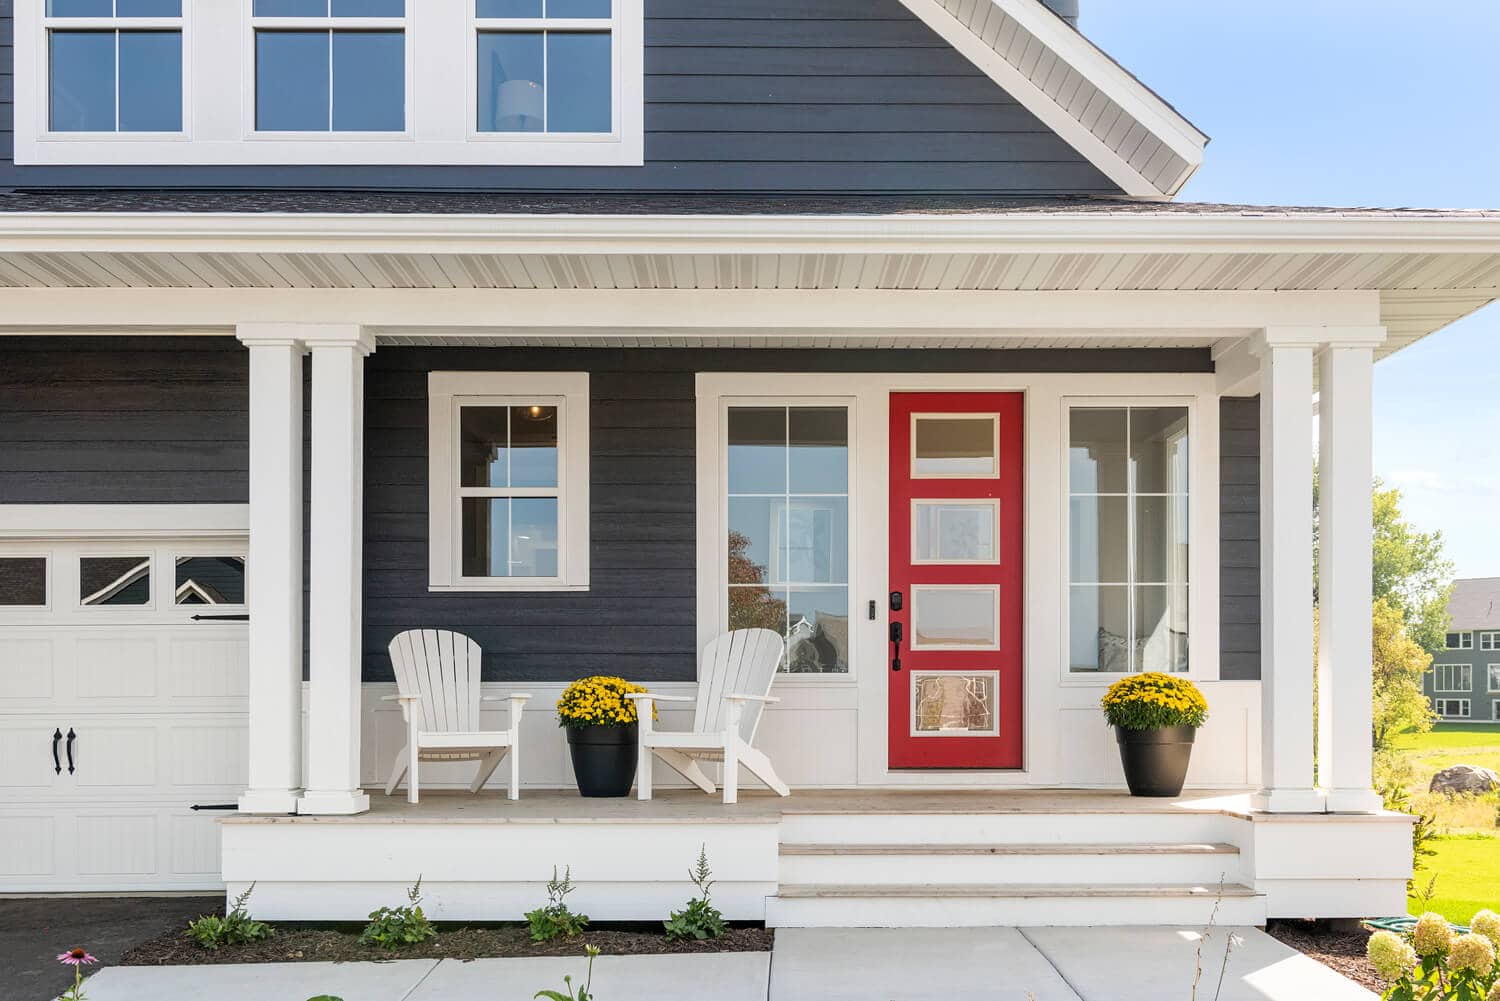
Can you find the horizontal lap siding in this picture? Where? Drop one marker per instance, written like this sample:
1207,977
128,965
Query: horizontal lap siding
104,420
1239,538
742,96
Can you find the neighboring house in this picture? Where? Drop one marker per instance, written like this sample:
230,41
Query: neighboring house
593,328
1464,682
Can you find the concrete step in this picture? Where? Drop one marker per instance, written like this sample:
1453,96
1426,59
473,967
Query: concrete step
988,864
979,905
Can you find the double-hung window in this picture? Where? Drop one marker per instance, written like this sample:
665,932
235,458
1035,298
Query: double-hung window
508,481
1128,538
1452,678
786,544
1458,641
330,65
1494,679
545,66
114,66
1489,641
1452,708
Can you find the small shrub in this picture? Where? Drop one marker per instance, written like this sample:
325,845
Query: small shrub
700,920
583,988
1431,963
556,919
397,927
235,928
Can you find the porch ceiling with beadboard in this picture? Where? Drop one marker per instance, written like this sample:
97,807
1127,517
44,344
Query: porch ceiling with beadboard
1138,278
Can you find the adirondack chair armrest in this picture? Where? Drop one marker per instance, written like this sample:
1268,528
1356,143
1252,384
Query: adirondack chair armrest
405,700
654,697
517,702
751,698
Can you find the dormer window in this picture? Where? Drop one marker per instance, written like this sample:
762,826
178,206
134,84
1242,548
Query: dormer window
114,66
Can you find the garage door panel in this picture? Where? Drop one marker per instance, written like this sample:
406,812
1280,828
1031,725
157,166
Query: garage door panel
116,843
30,846
26,751
116,665
194,845
116,756
209,754
207,667
26,670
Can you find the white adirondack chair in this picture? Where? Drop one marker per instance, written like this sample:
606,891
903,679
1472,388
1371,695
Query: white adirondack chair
736,676
437,674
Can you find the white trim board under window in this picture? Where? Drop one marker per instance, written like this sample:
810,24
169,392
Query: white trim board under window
218,87
1453,678
534,500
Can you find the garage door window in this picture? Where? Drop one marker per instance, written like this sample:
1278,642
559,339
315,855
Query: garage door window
210,580
114,580
23,581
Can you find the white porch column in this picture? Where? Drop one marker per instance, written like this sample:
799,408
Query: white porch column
274,569
1344,569
335,584
1286,578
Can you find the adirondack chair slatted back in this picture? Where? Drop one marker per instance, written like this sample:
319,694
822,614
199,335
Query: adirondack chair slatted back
442,668
742,662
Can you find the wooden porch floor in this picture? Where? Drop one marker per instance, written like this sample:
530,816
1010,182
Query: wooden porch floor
547,806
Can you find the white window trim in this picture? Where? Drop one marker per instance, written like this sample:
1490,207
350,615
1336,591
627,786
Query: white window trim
446,392
1441,706
1465,640
1439,676
1492,638
218,98
1200,527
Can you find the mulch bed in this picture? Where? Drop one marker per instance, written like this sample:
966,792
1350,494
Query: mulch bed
292,944
1340,949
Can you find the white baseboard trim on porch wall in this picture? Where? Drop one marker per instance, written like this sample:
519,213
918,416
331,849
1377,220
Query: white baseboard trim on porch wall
813,737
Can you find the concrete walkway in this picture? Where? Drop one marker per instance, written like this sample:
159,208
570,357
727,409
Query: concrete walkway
828,964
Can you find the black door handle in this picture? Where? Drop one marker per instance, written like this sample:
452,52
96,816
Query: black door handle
56,761
71,737
895,646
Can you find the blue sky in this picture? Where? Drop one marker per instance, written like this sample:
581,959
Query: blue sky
1336,102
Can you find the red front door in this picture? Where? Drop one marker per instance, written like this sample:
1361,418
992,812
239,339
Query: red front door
954,660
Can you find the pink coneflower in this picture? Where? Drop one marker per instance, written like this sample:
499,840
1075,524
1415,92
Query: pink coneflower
76,956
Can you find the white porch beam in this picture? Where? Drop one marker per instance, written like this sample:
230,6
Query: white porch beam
335,586
1154,314
274,570
1237,369
1344,569
1286,578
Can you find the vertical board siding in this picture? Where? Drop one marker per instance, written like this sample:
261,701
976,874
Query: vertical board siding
1239,538
746,96
107,420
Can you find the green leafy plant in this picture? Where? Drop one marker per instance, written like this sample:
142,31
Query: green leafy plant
397,927
1433,963
700,920
235,928
583,989
556,919
1394,797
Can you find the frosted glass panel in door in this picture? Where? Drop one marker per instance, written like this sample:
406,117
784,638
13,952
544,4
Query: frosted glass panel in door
955,617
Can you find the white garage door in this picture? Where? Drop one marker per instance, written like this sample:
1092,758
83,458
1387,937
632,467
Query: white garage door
122,706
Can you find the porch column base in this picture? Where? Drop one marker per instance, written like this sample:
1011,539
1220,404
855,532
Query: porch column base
268,801
1354,801
333,803
1288,801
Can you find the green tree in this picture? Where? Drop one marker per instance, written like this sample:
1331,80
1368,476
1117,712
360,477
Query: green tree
1398,665
1412,574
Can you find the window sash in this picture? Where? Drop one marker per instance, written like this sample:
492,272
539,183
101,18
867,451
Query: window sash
115,26
330,24
1493,671
1453,708
1489,641
1452,677
1458,641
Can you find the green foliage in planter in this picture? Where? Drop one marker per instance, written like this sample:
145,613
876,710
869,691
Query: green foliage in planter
700,920
397,927
235,928
1152,701
556,919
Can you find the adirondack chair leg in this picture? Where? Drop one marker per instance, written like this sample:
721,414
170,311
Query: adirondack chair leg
643,772
731,770
515,771
487,766
684,766
760,766
413,752
397,771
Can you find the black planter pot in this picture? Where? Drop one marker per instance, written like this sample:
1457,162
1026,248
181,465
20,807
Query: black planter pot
1156,761
603,759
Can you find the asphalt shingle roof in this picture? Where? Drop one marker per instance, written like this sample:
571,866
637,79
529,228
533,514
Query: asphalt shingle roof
1475,603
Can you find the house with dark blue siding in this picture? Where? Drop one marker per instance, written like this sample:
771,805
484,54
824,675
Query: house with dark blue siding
594,331
1464,680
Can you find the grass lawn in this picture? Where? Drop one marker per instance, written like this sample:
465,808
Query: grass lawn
1467,863
1467,868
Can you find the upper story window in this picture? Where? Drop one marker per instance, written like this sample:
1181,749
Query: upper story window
544,66
330,65
490,83
113,66
1489,641
1458,641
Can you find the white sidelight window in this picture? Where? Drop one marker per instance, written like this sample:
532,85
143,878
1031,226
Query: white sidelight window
786,544
1452,708
1458,641
113,66
330,65
1128,538
508,481
1453,678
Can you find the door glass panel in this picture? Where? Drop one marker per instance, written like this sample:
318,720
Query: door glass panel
952,704
955,617
752,524
114,580
1098,539
210,580
1096,450
23,581
1158,449
818,439
817,630
954,532
816,537
757,607
957,446
1161,628
757,450
1099,628
1161,540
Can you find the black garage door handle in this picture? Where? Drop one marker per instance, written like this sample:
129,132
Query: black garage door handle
71,737
56,761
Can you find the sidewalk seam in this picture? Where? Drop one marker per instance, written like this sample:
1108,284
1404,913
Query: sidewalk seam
1060,974
414,987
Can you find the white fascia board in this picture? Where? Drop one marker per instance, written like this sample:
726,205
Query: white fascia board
1132,232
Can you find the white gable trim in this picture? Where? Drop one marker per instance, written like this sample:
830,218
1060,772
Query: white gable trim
1134,137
